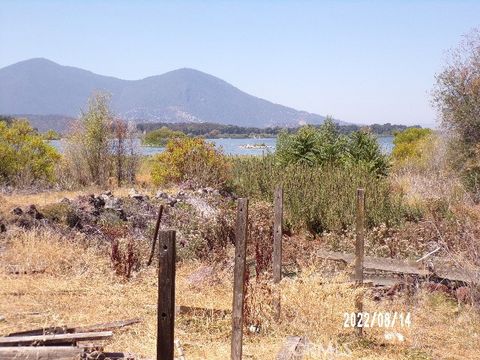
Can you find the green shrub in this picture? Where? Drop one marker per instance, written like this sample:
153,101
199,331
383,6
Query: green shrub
160,137
193,160
326,146
24,156
410,144
319,198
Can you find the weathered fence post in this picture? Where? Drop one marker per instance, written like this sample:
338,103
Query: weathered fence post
166,296
359,255
155,235
239,278
277,245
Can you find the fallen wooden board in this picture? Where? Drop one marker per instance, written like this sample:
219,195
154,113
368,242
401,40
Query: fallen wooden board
292,349
107,326
201,312
53,339
40,353
79,329
408,267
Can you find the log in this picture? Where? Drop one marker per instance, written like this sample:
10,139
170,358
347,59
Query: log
40,353
292,349
53,339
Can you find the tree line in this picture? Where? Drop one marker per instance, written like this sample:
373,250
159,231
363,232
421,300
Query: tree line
213,130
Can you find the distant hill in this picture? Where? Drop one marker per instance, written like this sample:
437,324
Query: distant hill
41,88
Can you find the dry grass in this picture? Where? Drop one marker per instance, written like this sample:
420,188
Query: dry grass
79,287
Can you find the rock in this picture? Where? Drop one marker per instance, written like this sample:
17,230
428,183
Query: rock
181,195
113,203
65,201
162,195
34,213
136,195
3,228
97,202
172,201
17,211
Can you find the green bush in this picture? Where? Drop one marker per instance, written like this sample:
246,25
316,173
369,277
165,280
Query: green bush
410,144
160,137
321,197
326,146
193,160
24,156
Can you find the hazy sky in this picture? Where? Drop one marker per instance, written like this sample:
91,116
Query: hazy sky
360,61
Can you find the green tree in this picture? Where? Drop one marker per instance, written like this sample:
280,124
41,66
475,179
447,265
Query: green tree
24,157
101,146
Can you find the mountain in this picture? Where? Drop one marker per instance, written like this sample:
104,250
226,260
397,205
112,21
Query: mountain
40,87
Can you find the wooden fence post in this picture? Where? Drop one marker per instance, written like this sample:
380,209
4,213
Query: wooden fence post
359,255
155,235
166,296
277,245
239,278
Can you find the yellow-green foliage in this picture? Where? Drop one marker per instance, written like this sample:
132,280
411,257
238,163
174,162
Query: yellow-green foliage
51,135
24,156
191,159
161,136
410,144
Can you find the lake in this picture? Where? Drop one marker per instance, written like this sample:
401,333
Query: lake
237,146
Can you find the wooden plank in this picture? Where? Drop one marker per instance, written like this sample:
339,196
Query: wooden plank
407,267
292,349
54,338
155,234
40,353
201,312
359,254
277,247
70,330
166,296
106,326
239,278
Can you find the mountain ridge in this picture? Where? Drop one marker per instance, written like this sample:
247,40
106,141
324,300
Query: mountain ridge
42,87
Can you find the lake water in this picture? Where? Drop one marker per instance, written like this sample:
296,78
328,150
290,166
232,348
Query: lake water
236,146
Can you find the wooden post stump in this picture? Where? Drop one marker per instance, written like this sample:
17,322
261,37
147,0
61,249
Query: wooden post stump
166,296
239,278
359,256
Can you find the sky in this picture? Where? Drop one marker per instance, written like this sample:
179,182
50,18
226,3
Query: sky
359,61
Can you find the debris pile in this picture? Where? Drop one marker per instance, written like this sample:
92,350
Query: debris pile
66,343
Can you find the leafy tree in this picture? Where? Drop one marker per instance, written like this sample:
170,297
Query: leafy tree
100,146
24,157
456,96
